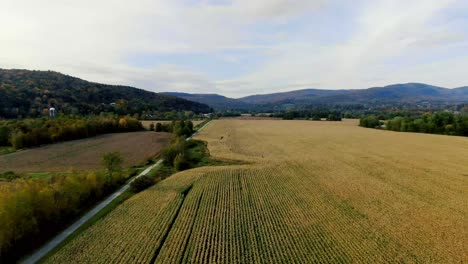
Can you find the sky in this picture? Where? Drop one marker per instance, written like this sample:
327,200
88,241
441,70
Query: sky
240,47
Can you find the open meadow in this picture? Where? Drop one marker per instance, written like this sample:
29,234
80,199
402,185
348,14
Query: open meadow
85,154
309,192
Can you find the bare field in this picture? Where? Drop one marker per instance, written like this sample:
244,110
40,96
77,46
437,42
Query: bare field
314,192
85,154
146,123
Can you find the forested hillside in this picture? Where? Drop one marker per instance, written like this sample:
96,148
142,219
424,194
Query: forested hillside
216,101
397,95
26,93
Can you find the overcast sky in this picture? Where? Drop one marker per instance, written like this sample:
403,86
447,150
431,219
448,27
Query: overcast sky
240,47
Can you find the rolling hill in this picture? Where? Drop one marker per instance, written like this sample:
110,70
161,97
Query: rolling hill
27,93
214,100
392,94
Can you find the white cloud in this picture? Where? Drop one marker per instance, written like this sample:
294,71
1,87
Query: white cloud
385,30
94,39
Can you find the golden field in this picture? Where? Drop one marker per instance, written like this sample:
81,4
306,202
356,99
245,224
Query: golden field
309,192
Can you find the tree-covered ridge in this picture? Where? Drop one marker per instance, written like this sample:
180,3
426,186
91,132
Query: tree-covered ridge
26,93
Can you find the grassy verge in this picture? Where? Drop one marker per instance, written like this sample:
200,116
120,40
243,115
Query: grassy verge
37,175
197,127
6,150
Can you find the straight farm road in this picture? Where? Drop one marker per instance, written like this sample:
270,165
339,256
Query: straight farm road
44,250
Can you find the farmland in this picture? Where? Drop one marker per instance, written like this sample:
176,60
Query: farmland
85,154
327,192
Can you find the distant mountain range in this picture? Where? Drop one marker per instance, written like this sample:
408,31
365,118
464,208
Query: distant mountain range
215,101
26,93
392,94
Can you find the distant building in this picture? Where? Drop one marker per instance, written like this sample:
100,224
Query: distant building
52,112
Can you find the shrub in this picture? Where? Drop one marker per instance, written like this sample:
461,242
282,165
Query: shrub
169,154
113,162
141,183
4,135
158,127
9,175
181,163
333,117
369,121
178,146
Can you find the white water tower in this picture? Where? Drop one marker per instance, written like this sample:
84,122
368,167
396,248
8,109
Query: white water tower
52,112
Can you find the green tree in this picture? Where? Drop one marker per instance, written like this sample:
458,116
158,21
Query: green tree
4,135
181,163
142,183
113,162
369,121
158,127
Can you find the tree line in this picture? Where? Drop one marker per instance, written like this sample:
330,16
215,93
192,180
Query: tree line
33,210
179,128
445,123
181,154
35,132
329,115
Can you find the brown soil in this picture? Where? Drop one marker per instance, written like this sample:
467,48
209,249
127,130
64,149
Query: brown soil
86,154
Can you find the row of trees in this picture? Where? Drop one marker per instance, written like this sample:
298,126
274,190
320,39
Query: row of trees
32,210
34,132
172,115
329,115
370,121
446,123
179,128
178,156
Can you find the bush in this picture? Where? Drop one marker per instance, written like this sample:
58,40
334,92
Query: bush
4,135
181,163
142,183
158,127
169,154
9,175
333,117
113,162
19,140
369,121
178,146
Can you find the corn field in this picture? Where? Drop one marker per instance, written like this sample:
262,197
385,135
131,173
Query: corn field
309,192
